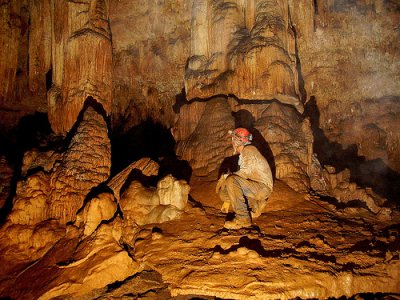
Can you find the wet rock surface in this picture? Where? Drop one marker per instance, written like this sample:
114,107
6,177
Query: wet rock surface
299,247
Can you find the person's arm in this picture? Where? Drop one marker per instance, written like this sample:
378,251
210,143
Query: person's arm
246,164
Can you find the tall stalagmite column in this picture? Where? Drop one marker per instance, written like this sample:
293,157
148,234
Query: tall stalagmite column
82,62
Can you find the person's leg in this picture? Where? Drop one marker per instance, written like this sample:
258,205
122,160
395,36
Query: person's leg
234,185
257,198
223,195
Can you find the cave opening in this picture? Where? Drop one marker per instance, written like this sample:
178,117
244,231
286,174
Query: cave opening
148,139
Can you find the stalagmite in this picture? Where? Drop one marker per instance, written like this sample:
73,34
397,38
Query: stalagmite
85,165
206,147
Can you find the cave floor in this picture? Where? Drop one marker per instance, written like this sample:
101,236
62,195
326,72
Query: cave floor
301,246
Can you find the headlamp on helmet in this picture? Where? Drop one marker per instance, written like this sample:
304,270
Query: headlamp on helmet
241,135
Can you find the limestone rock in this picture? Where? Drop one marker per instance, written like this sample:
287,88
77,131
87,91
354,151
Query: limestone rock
11,27
98,209
35,158
31,201
21,244
170,61
6,174
340,186
151,43
145,165
329,256
39,44
206,144
74,268
279,132
82,56
51,196
355,91
303,15
245,48
173,192
290,138
372,127
141,205
85,165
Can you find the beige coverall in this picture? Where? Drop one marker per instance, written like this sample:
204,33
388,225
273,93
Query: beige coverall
253,182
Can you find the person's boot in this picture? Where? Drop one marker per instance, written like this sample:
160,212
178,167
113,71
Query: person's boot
237,223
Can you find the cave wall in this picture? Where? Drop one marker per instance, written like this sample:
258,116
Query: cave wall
344,54
16,98
151,43
350,67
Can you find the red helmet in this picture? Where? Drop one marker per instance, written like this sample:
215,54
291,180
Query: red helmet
242,135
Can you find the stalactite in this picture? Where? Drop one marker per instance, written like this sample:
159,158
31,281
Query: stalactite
82,60
247,40
10,29
39,44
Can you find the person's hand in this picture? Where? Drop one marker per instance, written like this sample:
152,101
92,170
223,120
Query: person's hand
221,182
225,207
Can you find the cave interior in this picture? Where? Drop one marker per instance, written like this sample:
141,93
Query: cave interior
114,120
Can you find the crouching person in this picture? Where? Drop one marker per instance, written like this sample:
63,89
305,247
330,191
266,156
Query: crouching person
247,189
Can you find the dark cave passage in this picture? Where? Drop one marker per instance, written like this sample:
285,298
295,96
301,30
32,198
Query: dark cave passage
32,131
148,139
374,174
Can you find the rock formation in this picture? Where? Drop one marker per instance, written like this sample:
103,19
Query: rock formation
83,167
316,83
141,205
319,255
13,25
48,199
243,48
6,175
203,140
82,55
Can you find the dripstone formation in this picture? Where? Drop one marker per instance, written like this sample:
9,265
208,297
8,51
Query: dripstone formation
315,82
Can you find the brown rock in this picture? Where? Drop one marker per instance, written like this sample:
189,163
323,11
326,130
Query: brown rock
85,165
6,174
208,143
82,56
243,48
141,205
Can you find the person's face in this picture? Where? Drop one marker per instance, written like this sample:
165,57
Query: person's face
237,145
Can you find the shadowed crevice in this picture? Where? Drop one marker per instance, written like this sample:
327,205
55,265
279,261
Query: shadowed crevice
365,173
